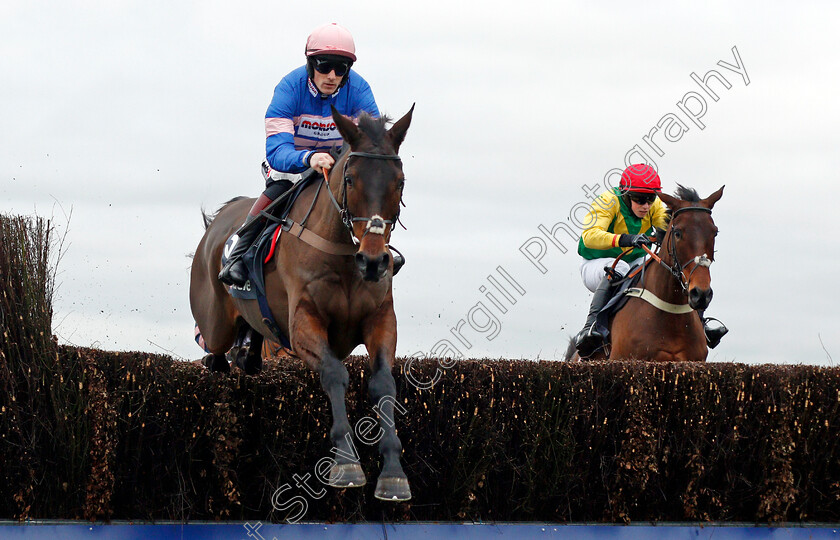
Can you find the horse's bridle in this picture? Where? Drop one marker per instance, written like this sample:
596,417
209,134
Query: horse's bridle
677,269
375,224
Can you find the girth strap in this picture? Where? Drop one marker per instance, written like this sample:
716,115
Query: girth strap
657,302
318,242
270,322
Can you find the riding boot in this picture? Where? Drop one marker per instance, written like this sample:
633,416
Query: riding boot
399,260
714,333
589,339
235,272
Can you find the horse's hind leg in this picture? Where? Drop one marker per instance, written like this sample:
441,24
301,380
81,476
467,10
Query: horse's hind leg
211,305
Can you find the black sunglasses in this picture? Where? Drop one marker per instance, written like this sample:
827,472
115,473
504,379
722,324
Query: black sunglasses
642,198
325,65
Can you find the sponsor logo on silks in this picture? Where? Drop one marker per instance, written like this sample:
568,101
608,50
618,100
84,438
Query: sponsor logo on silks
229,246
316,128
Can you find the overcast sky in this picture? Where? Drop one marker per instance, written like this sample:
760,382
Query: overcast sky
135,115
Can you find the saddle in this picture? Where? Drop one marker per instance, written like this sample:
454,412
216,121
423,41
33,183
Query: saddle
262,250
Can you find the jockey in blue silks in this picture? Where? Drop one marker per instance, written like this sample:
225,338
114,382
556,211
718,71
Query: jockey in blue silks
299,128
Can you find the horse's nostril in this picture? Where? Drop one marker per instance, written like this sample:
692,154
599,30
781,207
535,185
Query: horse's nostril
699,298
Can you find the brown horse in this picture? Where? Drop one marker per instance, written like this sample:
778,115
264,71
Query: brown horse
328,287
663,324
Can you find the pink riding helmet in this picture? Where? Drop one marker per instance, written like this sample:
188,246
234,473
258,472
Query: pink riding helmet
332,39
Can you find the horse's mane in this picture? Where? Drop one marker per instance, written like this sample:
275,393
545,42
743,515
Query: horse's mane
208,218
686,194
374,128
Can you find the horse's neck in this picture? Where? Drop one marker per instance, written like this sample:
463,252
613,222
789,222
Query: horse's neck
663,284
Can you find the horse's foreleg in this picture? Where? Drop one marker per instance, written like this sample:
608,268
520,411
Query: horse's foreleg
381,341
383,393
334,380
310,342
347,472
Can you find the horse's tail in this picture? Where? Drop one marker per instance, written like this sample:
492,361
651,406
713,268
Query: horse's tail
208,218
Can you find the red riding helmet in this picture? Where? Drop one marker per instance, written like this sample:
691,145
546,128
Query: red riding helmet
641,179
331,39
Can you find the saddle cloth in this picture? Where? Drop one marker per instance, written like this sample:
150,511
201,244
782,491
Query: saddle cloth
262,251
254,289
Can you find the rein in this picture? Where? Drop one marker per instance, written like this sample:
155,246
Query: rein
375,224
676,269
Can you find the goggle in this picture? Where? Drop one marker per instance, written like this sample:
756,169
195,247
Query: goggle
325,65
642,198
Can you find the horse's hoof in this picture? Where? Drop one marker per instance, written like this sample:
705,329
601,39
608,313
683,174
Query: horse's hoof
216,362
345,475
393,489
251,365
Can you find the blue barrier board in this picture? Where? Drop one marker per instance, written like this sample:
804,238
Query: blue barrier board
412,531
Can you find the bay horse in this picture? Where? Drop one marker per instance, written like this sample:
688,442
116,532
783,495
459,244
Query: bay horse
328,287
678,275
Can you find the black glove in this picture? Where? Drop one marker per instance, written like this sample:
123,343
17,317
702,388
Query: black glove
658,235
633,240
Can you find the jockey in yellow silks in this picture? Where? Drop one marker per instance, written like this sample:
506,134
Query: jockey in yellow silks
620,219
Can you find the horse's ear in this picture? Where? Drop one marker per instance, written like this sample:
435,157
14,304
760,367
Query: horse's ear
672,202
349,131
397,132
714,197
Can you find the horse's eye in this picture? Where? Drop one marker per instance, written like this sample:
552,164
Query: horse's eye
401,185
348,180
677,234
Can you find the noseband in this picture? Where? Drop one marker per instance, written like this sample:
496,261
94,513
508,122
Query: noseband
677,269
375,224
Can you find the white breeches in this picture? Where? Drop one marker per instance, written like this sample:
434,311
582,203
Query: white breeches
592,270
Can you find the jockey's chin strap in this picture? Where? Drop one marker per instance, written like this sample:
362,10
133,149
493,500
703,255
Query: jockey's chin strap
376,224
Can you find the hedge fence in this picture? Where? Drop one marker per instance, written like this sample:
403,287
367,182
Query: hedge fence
89,434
